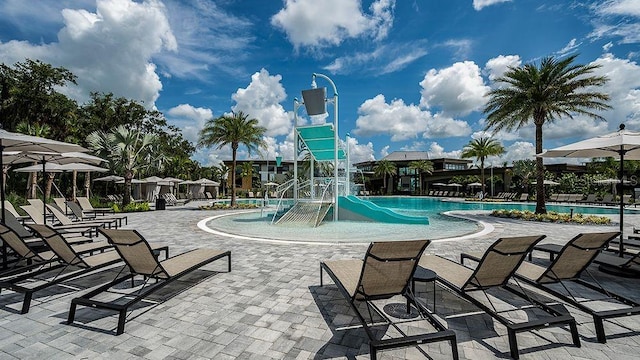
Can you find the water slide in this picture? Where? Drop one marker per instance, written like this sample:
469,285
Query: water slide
356,209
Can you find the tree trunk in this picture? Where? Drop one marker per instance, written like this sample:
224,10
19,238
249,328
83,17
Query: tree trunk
540,201
49,185
127,188
482,177
234,151
87,185
32,193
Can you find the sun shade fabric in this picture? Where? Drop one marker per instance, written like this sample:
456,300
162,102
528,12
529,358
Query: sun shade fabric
320,141
608,145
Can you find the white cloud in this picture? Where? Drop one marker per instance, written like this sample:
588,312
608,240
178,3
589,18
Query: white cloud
614,18
261,100
497,66
360,152
209,39
519,150
436,151
479,4
457,90
384,59
318,24
190,119
403,122
570,47
384,151
110,50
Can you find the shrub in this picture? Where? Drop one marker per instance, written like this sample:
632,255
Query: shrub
552,216
132,207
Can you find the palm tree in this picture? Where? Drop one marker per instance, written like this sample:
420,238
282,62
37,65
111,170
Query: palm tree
555,89
385,168
246,172
525,169
480,149
422,166
234,130
128,151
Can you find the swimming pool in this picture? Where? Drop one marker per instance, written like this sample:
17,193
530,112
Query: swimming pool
258,224
430,206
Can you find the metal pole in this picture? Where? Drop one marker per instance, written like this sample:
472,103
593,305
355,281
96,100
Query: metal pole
621,176
335,141
296,106
347,176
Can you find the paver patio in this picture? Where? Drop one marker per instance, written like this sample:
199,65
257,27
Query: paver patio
271,306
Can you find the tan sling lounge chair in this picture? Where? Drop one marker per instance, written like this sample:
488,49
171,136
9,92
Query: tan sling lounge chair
385,271
569,264
141,260
495,268
75,265
86,206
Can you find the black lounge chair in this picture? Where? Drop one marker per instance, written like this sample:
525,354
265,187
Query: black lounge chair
74,265
570,263
385,271
494,269
29,259
609,261
141,260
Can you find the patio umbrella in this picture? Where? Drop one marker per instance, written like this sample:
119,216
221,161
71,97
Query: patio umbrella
109,178
622,144
55,167
546,182
475,184
271,184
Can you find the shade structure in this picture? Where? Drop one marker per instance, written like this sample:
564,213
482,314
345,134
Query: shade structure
319,140
546,182
109,178
54,167
622,145
439,184
271,184
475,184
10,141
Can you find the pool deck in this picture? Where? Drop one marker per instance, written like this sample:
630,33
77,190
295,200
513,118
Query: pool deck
271,306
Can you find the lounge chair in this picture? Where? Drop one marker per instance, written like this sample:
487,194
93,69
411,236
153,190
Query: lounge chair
591,199
570,263
64,220
86,206
61,203
609,261
495,268
9,207
25,252
385,271
75,228
141,260
75,265
76,210
607,199
524,197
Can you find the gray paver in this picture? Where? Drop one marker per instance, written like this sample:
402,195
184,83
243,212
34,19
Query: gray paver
271,306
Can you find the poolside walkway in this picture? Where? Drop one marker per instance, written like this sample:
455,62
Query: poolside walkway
271,307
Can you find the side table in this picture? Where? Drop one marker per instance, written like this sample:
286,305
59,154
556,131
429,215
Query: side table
424,275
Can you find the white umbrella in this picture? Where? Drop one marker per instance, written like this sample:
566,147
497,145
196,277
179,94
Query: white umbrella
546,182
53,167
271,184
454,185
475,184
439,184
622,144
109,178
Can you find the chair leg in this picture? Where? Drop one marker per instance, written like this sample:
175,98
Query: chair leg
599,324
454,349
574,333
27,302
72,313
121,320
372,352
513,344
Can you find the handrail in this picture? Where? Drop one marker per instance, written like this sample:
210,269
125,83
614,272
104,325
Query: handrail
324,193
282,191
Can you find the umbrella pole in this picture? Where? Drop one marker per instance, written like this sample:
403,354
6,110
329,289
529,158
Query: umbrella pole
4,244
44,185
621,176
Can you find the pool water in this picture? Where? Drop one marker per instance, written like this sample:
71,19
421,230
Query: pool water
258,224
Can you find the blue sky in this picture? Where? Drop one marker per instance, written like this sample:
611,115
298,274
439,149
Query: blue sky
411,75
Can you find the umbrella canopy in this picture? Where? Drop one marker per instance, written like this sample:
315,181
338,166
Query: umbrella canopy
133,181
53,167
271,183
439,184
546,182
454,185
623,144
475,184
207,182
109,178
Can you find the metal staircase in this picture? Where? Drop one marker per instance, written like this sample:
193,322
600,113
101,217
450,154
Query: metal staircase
308,212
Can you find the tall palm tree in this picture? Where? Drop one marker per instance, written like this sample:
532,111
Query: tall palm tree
234,130
557,88
385,168
128,151
422,166
480,149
